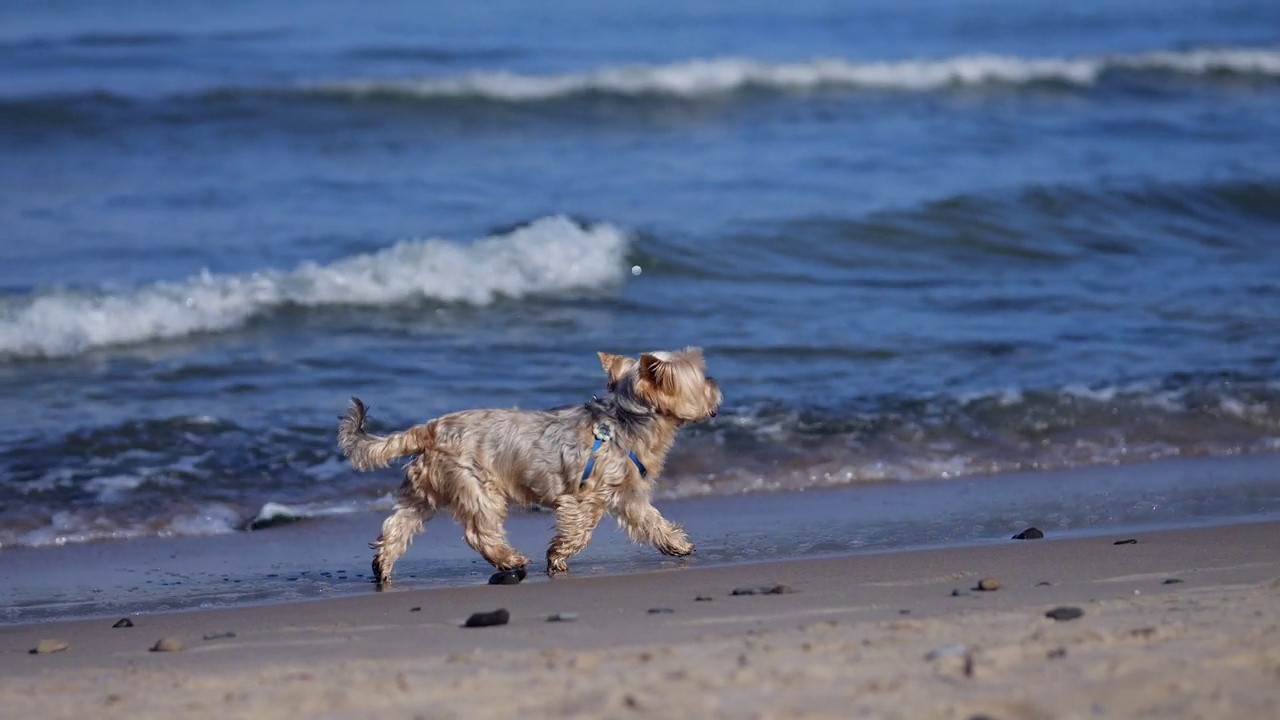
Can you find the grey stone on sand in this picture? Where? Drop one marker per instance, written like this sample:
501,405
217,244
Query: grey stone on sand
660,610
1029,534
489,619
989,584
219,635
562,617
44,647
1129,541
123,623
703,598
778,589
1064,613
169,644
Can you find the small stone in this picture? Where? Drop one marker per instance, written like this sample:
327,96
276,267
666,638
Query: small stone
703,598
957,592
562,617
778,589
416,608
1130,541
1029,534
660,610
44,647
508,577
1056,653
1044,583
1172,581
219,635
488,619
988,584
168,644
1065,613
123,623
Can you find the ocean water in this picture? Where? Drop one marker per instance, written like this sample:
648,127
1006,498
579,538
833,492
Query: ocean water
918,241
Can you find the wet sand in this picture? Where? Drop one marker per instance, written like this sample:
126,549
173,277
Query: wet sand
1180,623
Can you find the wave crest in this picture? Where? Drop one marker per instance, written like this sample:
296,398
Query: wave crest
548,256
700,78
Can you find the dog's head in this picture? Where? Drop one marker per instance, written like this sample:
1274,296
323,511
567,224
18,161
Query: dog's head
674,384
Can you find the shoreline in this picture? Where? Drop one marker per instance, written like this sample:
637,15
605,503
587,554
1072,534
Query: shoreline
643,642
328,557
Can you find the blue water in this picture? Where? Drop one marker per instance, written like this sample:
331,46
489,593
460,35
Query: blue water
917,240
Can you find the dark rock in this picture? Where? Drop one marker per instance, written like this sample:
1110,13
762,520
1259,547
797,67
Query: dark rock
988,584
1130,541
1171,581
487,619
1064,613
778,589
1029,534
703,598
1044,583
562,617
957,592
660,610
416,608
508,577
123,623
219,635
1057,653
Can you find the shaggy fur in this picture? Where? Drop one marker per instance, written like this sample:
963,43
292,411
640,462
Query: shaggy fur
477,462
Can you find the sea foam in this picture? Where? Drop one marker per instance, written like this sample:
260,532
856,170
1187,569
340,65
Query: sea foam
546,257
693,79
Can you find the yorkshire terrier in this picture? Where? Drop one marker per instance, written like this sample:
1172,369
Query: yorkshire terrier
580,460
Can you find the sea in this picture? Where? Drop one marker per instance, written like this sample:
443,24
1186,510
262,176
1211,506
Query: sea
922,243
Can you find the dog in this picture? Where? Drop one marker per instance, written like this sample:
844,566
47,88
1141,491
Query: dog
580,460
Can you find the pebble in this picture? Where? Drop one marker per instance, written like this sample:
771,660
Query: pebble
219,635
50,646
1130,541
562,617
1172,581
123,623
488,619
957,592
416,608
778,589
508,577
1029,534
168,644
1064,613
660,610
703,598
988,584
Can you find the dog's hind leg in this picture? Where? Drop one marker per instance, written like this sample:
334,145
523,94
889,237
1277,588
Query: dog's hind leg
575,521
481,514
397,533
645,524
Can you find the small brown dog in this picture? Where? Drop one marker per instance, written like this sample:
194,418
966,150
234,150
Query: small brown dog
582,460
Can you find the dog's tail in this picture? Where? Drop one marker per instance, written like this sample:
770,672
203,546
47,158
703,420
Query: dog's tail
366,451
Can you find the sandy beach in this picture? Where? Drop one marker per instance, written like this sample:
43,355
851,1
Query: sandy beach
1177,623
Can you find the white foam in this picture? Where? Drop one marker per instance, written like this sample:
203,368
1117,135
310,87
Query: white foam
545,257
707,77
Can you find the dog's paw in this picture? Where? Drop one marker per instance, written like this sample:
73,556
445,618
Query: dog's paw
556,566
678,549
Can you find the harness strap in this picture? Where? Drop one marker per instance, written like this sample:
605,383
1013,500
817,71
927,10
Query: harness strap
603,433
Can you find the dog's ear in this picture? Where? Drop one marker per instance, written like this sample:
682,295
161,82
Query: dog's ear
694,355
656,371
614,366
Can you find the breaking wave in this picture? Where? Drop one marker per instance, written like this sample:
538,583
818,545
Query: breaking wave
707,77
548,256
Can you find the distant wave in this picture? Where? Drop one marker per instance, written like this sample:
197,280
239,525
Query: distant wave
700,78
545,257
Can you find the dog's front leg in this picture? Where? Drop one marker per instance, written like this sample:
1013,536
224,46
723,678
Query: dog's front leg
645,524
575,520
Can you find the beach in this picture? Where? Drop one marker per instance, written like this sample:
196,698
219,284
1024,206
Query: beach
1172,623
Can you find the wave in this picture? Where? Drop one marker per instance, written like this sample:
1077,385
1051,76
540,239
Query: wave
710,77
549,256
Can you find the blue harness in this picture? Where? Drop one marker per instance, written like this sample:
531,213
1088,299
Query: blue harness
603,434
